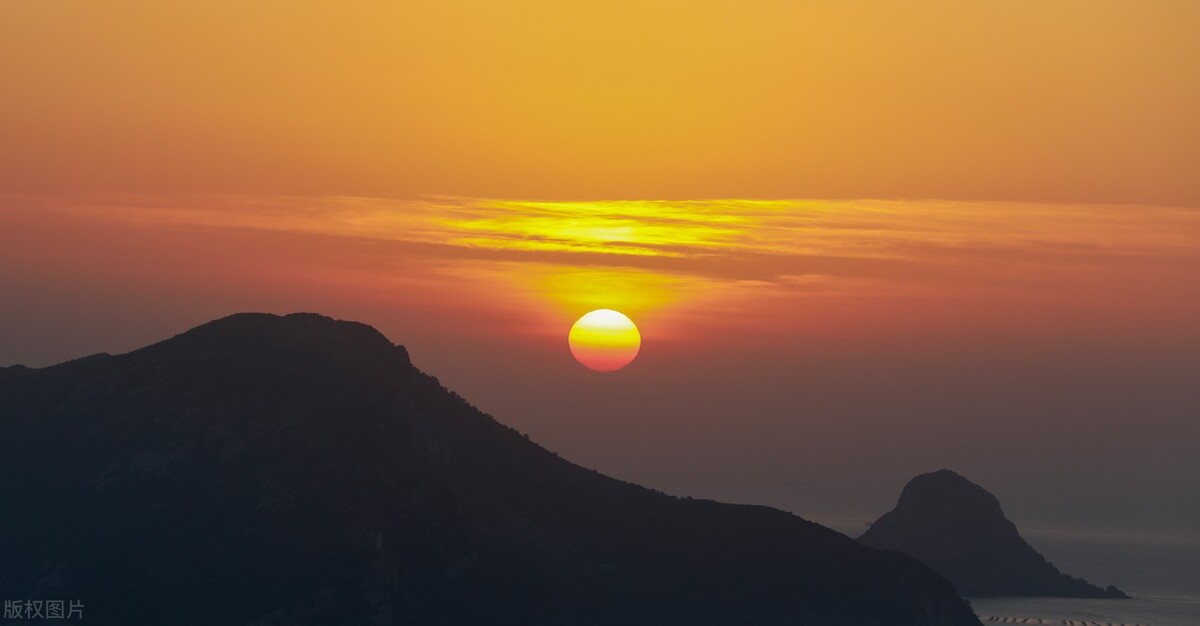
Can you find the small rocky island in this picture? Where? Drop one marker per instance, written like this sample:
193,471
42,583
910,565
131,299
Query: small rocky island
957,528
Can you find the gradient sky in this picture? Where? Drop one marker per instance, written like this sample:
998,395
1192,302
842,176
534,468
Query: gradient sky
1016,299
1072,100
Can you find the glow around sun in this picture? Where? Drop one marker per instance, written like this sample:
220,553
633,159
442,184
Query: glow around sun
605,340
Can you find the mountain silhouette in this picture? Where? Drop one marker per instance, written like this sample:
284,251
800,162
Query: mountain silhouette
268,470
958,529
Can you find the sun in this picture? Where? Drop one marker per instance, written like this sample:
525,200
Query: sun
604,340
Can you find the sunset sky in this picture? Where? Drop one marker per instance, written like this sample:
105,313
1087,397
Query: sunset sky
861,240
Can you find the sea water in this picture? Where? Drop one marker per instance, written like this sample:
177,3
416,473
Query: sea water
1161,571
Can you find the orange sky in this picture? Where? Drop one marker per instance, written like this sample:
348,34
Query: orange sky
1085,100
1016,297
721,270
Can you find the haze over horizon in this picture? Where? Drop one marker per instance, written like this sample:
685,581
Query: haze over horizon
811,355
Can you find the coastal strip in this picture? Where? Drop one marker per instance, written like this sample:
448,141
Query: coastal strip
1056,622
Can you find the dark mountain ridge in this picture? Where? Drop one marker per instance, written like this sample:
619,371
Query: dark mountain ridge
959,529
300,470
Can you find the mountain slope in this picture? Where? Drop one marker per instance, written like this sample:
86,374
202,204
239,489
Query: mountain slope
958,528
279,470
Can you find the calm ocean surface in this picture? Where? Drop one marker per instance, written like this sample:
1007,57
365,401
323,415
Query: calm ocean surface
1160,571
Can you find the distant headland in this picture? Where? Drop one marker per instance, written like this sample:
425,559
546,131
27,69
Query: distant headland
958,528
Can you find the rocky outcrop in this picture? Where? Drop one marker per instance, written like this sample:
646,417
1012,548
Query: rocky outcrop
957,528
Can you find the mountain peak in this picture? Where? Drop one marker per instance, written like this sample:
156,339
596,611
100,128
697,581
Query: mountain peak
301,334
950,493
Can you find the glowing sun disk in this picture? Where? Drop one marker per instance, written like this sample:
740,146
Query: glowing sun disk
604,340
